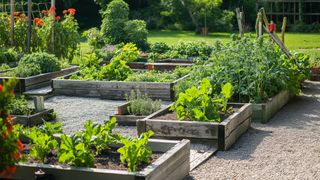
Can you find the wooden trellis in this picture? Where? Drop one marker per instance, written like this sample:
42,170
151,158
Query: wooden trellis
29,12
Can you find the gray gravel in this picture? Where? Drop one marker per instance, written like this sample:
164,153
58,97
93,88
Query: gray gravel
288,147
73,112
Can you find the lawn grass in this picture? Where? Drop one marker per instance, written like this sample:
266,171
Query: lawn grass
292,40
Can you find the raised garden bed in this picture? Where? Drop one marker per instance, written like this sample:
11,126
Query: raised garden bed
159,66
166,66
315,74
124,118
37,81
113,89
222,134
177,60
34,119
173,164
265,111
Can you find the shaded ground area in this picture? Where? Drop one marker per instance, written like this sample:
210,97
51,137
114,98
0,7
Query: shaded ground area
288,147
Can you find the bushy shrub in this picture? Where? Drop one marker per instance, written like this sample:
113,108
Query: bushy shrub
20,106
129,52
36,63
193,49
94,38
159,47
117,70
300,26
136,31
114,20
141,104
8,55
116,27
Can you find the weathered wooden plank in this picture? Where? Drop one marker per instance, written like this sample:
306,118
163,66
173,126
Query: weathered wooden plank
202,157
231,139
33,119
171,160
185,129
48,76
127,120
233,121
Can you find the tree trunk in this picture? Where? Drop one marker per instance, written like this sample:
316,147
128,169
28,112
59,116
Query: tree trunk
193,18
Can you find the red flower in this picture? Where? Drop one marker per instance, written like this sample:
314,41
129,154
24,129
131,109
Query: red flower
9,128
65,11
72,12
58,18
1,88
10,118
20,145
16,156
43,12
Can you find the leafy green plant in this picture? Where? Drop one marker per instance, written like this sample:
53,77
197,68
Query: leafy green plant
20,106
4,67
94,38
159,47
36,63
135,151
200,104
105,137
8,55
129,53
42,144
74,152
141,104
136,31
116,70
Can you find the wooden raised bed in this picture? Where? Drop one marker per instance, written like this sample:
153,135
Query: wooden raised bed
113,89
173,164
38,81
265,111
222,134
33,119
177,60
166,66
124,118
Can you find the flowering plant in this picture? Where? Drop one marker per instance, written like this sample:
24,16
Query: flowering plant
63,30
10,145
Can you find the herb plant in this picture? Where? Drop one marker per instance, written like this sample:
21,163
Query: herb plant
135,151
141,104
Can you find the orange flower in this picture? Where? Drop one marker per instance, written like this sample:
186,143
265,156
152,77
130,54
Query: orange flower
20,145
43,12
65,11
38,22
16,156
72,12
17,13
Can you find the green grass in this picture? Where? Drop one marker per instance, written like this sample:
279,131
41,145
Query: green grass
292,40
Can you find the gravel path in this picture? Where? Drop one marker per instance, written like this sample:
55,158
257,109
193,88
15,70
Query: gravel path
73,112
288,147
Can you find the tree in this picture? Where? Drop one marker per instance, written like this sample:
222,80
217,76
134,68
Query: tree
197,9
